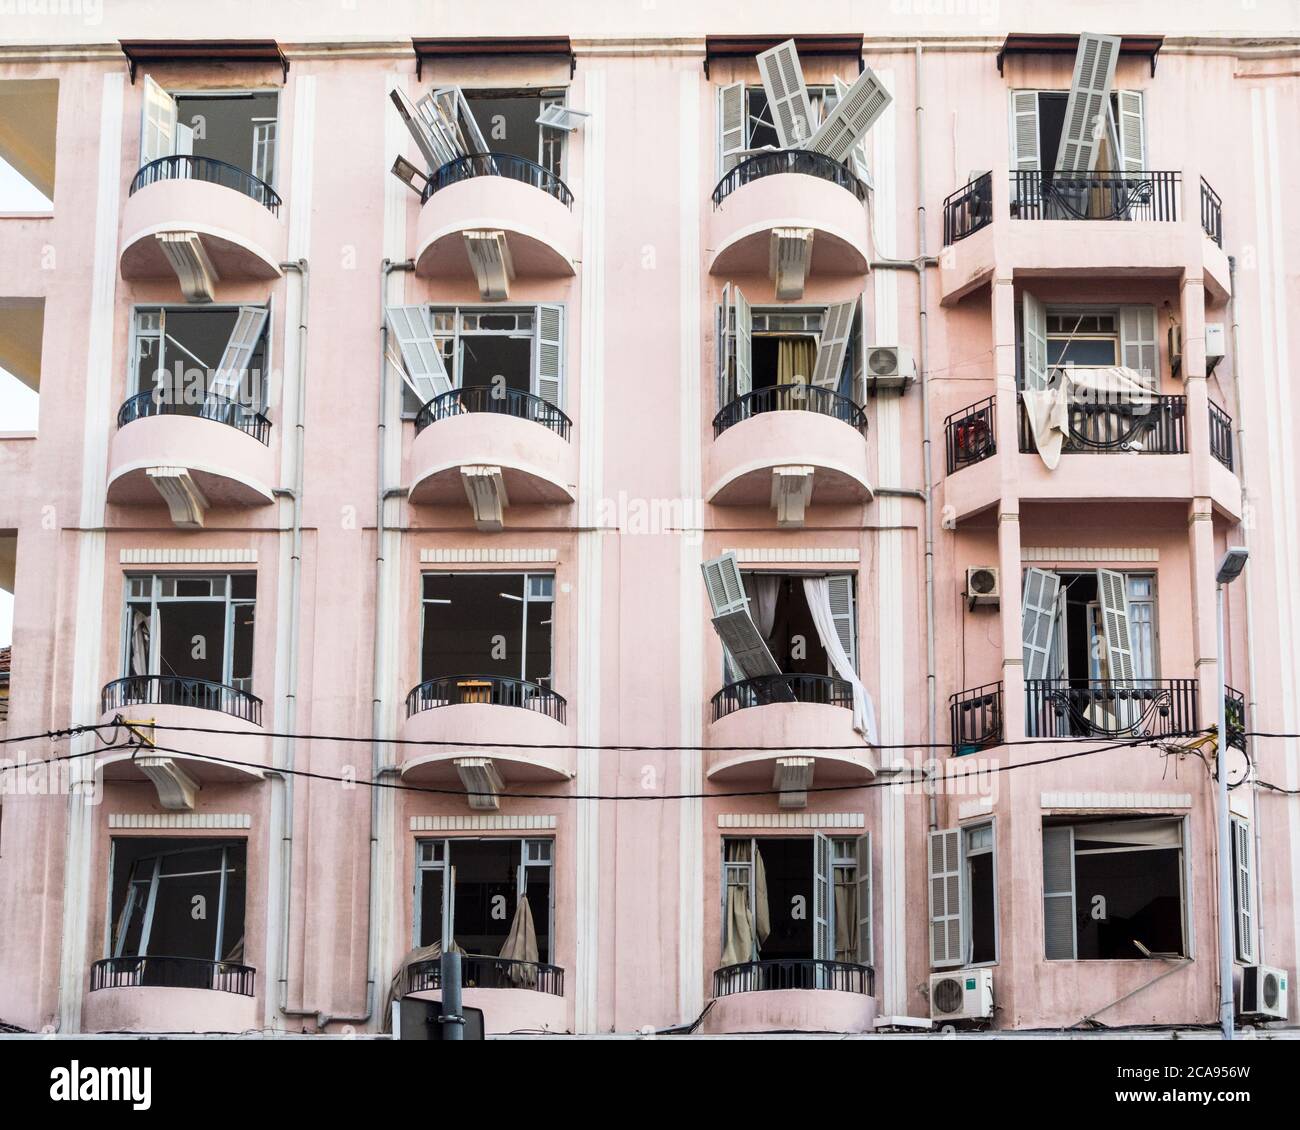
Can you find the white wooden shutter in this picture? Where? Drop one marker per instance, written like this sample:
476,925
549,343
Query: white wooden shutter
1243,889
743,646
1033,320
238,352
787,96
1087,110
1060,941
1025,155
422,365
723,583
858,154
556,115
865,941
1137,342
744,331
837,329
1112,595
946,898
548,353
823,898
458,120
731,126
157,123
726,350
844,613
184,140
263,166
416,118
1131,132
854,114
1038,621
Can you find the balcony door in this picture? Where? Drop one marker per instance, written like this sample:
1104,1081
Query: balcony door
191,627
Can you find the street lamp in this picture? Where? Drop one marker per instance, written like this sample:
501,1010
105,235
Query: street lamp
1234,561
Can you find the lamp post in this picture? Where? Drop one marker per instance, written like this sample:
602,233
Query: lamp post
1234,561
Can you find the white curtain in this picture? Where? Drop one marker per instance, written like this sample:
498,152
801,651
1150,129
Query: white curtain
762,590
817,590
1049,409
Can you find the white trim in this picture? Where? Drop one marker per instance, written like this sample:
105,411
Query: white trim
1062,802
1051,553
484,822
152,820
978,809
846,820
188,556
459,555
801,555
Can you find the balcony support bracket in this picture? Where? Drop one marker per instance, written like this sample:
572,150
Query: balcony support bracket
177,790
483,782
489,257
184,499
486,489
194,270
791,492
793,776
788,261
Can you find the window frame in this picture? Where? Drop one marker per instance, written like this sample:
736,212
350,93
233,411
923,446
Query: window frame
1244,949
547,96
242,92
967,936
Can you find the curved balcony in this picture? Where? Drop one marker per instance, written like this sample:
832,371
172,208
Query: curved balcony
498,719
170,994
515,996
222,444
795,428
792,995
786,729
234,215
497,192
796,189
521,436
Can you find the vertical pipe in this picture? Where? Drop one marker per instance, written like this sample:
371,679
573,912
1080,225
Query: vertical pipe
1225,850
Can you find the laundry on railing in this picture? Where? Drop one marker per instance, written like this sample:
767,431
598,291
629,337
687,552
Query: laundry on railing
1100,389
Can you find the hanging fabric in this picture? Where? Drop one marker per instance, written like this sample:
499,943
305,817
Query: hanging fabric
140,643
762,590
846,914
795,357
817,590
521,946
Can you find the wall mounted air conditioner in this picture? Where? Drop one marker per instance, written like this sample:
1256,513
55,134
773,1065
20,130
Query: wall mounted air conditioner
962,994
1215,339
983,585
890,366
1262,993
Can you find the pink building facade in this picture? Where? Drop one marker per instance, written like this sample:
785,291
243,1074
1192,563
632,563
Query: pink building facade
474,481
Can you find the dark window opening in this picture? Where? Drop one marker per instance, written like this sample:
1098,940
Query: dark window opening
789,868
496,362
983,916
508,123
192,627
180,350
487,624
239,129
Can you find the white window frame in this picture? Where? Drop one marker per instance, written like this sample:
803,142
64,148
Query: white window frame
133,384
241,92
1245,911
967,937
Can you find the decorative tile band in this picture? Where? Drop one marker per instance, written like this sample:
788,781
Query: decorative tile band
1088,553
503,556
482,822
152,820
188,556
792,820
1117,800
796,555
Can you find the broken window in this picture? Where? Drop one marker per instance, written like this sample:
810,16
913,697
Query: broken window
1078,642
28,131
487,624
195,361
1114,889
237,128
508,122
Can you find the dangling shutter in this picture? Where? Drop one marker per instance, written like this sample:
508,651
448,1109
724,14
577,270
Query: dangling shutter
723,584
787,96
422,365
823,899
157,123
1137,342
833,344
858,154
1243,889
549,354
731,126
844,613
1131,132
726,350
416,119
1088,108
741,641
865,941
238,353
1038,621
1025,157
1112,593
854,114
945,898
1033,318
744,343
1059,937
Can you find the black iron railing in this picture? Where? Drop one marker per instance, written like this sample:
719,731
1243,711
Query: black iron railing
970,435
161,972
493,690
790,398
803,161
976,716
176,690
1110,708
968,209
1220,435
212,407
1235,701
480,972
794,973
489,398
185,166
1211,213
1157,427
498,165
1043,195
826,690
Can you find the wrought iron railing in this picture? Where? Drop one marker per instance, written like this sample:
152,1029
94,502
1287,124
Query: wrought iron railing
976,716
1211,213
177,690
480,972
1043,195
498,165
163,972
794,973
212,407
968,209
825,690
1110,708
1235,701
790,398
803,161
489,398
970,435
1220,435
1157,427
493,690
185,166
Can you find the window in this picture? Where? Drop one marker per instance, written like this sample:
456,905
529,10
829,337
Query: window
237,128
29,110
189,356
22,331
1038,120
760,132
1243,890
491,624
508,122
1053,337
963,896
192,626
1114,889
1082,338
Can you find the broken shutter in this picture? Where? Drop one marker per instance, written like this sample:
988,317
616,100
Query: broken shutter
238,353
556,115
823,898
858,154
865,944
844,614
432,147
157,123
833,344
854,114
549,353
741,641
1131,132
1087,110
422,364
1059,940
1033,319
457,120
723,584
945,898
744,343
1137,342
731,126
1038,621
1242,890
787,96
1112,595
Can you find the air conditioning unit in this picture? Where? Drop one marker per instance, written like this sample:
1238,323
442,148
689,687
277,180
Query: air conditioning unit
1262,993
1175,349
962,994
1215,338
890,366
983,585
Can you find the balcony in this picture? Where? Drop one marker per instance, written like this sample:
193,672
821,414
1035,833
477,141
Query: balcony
1156,428
812,437
1110,708
170,994
789,189
792,995
530,205
233,216
976,719
515,996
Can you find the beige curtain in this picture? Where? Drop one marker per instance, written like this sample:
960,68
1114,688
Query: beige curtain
397,986
794,364
745,929
846,915
521,945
